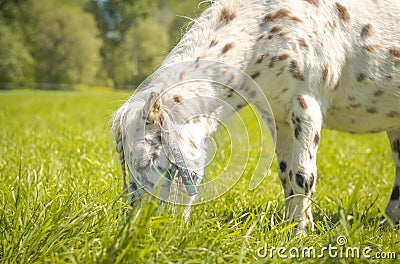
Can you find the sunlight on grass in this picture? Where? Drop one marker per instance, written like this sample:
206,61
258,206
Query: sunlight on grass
60,194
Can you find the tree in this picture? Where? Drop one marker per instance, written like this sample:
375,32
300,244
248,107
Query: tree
148,44
78,41
66,43
16,62
136,34
184,11
116,19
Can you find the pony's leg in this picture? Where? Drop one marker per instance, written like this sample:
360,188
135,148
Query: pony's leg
188,200
188,207
306,126
284,150
393,207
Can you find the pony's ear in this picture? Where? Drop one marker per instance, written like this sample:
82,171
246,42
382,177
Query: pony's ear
152,110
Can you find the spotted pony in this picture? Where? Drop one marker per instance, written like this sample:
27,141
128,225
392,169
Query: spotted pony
322,64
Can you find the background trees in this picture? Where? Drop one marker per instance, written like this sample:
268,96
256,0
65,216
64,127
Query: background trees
65,43
16,60
105,42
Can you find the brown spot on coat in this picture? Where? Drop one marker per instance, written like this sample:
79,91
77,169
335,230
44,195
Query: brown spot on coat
270,36
213,43
313,2
301,180
295,71
366,30
281,14
396,146
230,93
272,62
302,102
395,194
356,105
177,98
378,93
316,139
296,19
261,58
240,106
372,110
276,29
297,131
342,12
389,78
395,52
280,72
393,114
278,58
361,77
303,43
372,48
312,180
283,57
226,15
325,73
255,75
282,166
227,47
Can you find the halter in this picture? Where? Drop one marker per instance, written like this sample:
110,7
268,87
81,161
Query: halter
189,180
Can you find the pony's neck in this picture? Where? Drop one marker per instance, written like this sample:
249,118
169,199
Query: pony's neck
201,81
217,49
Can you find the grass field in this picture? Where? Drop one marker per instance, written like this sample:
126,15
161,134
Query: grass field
60,196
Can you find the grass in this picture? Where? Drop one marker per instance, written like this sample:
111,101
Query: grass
60,196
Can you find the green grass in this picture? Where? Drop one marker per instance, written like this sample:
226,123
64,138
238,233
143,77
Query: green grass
60,195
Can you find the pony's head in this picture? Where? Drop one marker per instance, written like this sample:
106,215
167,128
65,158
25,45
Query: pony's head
158,140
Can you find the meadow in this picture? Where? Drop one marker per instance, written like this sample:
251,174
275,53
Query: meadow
60,197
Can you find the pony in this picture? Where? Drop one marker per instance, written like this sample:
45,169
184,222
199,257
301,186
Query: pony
320,64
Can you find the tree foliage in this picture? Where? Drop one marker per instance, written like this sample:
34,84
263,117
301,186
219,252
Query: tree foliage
110,42
15,59
66,46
